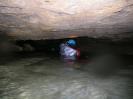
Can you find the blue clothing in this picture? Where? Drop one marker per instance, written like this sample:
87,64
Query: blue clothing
71,42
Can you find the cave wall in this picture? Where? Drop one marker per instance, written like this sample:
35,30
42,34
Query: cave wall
53,19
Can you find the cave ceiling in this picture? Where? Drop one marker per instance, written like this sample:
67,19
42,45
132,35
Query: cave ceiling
53,19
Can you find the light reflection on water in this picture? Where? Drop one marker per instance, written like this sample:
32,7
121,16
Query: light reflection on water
43,78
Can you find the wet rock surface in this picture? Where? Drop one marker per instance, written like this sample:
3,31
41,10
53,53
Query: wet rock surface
52,19
48,78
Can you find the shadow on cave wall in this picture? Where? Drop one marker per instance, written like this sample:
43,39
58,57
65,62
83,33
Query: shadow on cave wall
4,47
7,48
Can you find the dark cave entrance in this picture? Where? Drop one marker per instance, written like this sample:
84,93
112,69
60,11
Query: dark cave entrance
89,47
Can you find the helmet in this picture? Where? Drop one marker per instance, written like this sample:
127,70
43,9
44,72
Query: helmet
71,42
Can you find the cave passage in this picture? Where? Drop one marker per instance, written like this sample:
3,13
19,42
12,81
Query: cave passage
31,32
33,70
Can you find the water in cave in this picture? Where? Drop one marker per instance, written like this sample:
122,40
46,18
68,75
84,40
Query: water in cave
34,70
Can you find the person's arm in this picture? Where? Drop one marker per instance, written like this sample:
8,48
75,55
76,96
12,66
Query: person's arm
78,52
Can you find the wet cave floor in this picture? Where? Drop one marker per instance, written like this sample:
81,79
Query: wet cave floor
43,77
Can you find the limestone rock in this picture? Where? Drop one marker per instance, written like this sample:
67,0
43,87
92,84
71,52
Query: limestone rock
52,19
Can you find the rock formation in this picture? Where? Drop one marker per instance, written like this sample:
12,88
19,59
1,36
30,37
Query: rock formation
52,19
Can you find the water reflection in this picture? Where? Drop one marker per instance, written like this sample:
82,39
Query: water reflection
46,78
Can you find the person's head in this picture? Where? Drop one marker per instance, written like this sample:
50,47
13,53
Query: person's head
71,42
